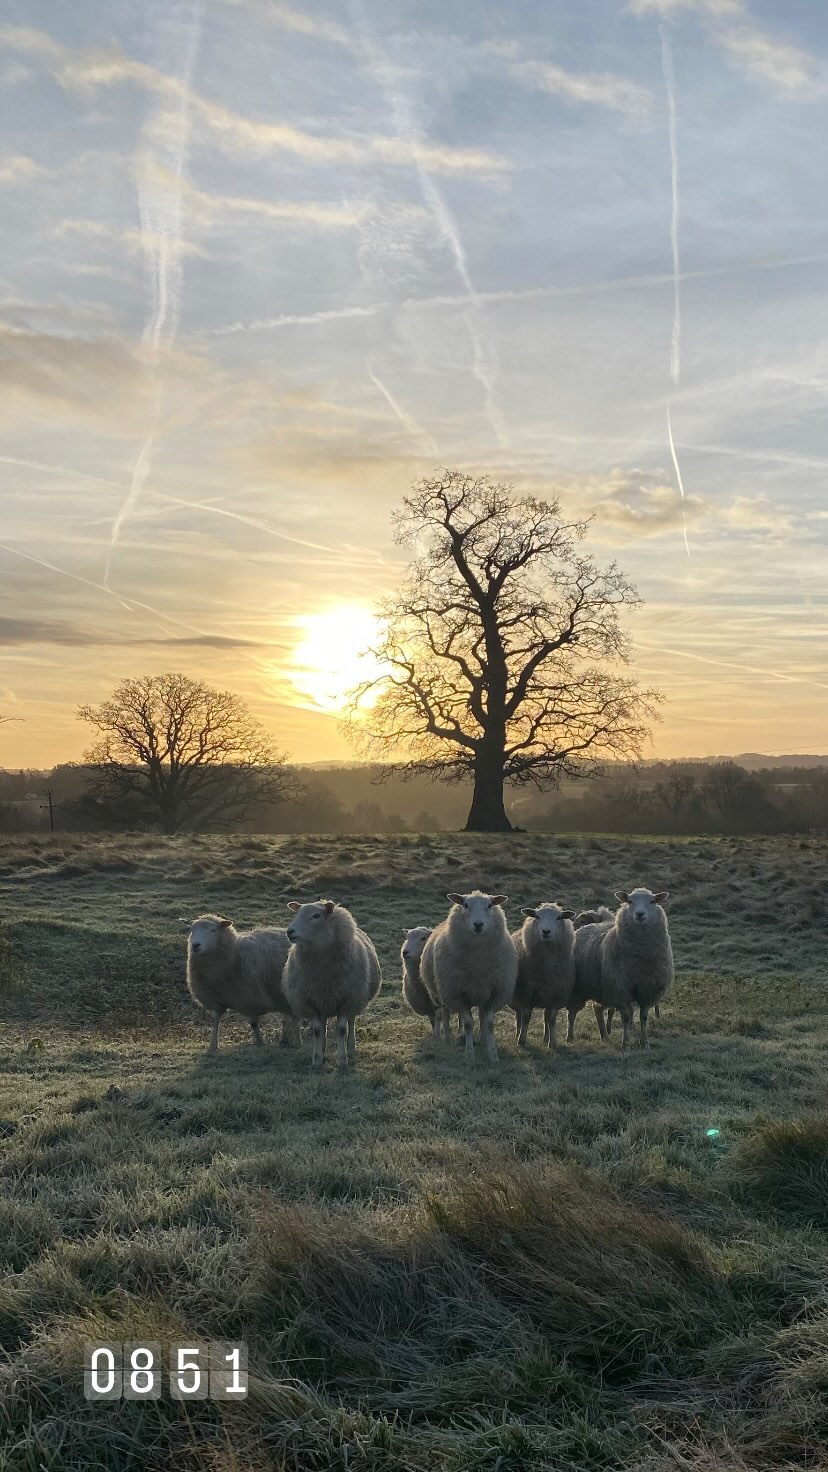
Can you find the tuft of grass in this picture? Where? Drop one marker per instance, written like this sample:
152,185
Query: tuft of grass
783,1164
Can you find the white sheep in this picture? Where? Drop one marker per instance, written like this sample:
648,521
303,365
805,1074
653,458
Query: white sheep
239,971
603,1016
545,946
332,970
624,962
470,961
414,992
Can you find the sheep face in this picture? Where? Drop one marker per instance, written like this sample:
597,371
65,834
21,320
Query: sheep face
414,943
311,923
478,909
549,921
207,933
644,907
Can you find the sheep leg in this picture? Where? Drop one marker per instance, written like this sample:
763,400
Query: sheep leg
657,1012
572,1013
642,1019
436,1025
522,1020
291,1033
446,1019
351,1039
217,1016
627,1019
257,1032
487,1032
342,1042
599,1018
468,1034
610,1015
550,1023
319,1028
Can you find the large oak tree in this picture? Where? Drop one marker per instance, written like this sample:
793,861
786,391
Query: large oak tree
501,656
192,754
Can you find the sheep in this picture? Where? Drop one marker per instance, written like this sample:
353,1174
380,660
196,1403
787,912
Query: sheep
414,992
241,971
469,961
545,946
332,970
624,962
595,917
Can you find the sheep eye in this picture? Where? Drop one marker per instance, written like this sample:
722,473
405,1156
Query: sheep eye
489,905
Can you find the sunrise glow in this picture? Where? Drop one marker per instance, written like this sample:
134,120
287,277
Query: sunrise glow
330,657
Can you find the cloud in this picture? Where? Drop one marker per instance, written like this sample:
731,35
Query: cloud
788,68
17,168
89,70
715,8
600,88
636,507
210,209
46,631
295,20
90,376
101,378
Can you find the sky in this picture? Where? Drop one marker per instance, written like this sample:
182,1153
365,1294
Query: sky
266,264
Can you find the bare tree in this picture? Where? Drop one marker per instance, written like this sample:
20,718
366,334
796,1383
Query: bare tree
677,793
499,655
190,752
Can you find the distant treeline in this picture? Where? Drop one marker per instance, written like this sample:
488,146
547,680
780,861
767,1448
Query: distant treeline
678,797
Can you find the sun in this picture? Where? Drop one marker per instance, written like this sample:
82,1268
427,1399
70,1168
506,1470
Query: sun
329,658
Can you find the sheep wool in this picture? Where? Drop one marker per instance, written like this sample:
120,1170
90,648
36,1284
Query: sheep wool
545,946
238,971
470,961
413,989
624,962
332,970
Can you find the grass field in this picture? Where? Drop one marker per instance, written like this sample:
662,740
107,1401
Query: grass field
552,1264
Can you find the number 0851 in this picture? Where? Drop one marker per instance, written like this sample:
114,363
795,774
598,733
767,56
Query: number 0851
142,1370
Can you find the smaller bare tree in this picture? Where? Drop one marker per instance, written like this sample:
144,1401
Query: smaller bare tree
193,754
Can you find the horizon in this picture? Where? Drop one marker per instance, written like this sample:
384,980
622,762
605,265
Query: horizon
267,264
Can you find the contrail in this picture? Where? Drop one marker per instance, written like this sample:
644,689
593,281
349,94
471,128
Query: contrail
729,664
587,288
129,604
417,431
406,128
670,86
160,208
290,319
678,477
675,340
98,480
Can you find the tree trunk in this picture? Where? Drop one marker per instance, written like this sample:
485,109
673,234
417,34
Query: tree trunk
487,813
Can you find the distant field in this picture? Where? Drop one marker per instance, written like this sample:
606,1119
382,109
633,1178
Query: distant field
552,1264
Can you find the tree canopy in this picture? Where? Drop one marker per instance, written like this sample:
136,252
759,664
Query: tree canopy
502,654
188,752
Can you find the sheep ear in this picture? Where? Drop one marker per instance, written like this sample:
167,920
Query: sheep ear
568,914
225,924
456,899
329,906
621,895
294,905
499,899
185,924
533,913
663,894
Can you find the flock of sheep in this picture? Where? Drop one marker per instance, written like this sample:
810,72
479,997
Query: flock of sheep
322,965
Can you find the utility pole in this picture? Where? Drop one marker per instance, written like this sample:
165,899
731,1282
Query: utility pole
51,809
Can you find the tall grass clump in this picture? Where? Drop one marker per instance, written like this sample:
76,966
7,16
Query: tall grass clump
783,1164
